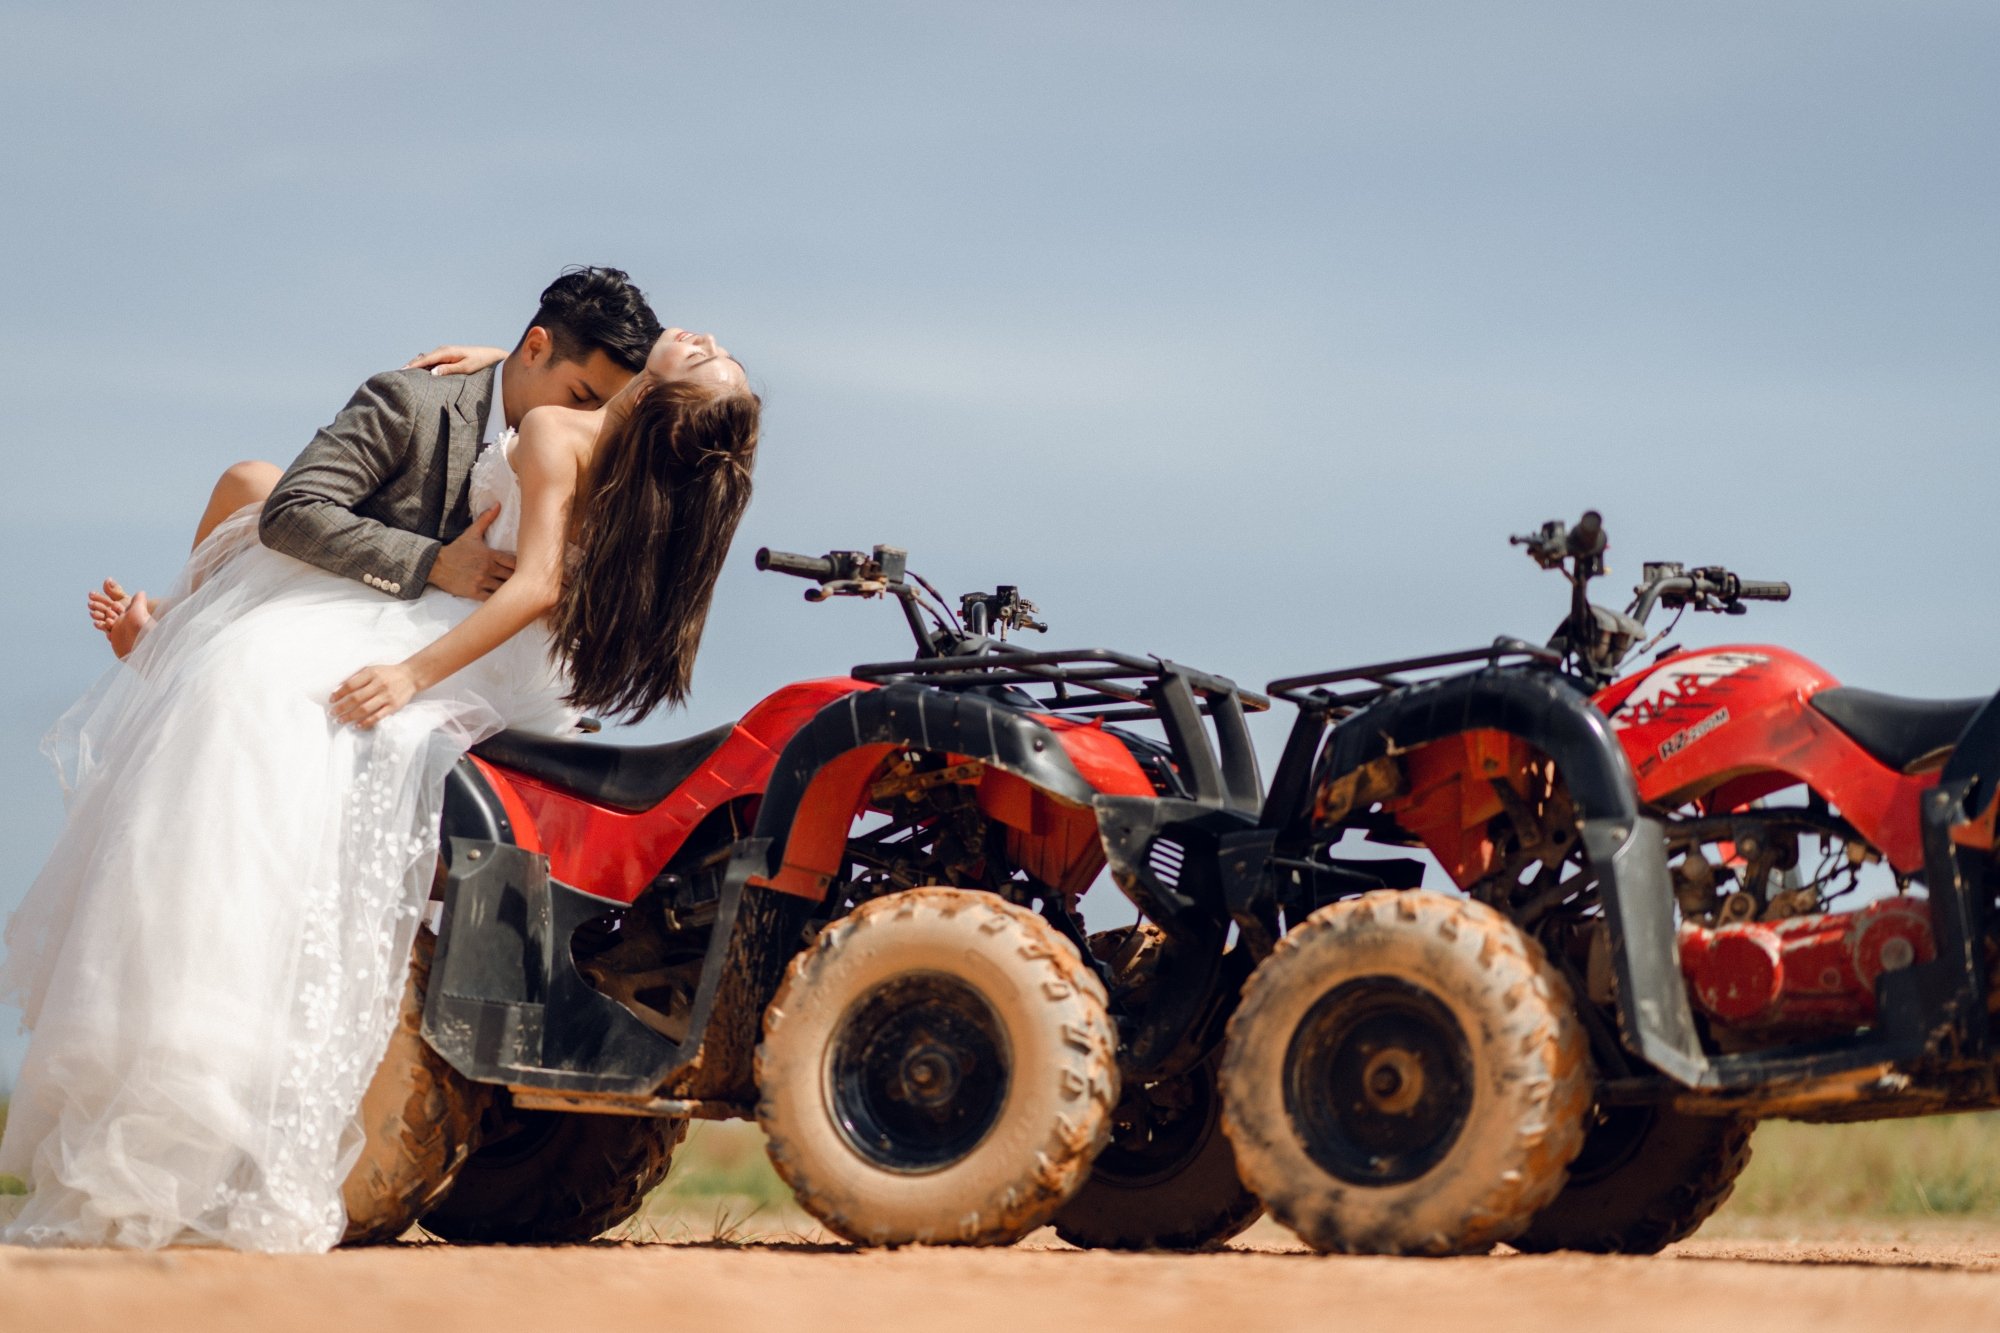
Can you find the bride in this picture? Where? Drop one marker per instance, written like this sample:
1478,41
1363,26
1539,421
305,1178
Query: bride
211,960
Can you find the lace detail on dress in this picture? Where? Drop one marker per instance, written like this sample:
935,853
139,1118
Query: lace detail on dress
354,950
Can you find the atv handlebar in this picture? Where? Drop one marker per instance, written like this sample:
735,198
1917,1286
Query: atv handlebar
885,571
1596,640
1711,588
843,573
817,567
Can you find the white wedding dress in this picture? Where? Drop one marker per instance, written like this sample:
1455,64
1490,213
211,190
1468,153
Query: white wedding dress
211,961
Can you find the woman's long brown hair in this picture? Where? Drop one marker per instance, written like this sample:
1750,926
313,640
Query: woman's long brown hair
654,521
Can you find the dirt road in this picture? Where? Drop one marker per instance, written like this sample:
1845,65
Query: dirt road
1950,1284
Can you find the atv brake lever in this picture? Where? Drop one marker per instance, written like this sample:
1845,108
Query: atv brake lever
847,588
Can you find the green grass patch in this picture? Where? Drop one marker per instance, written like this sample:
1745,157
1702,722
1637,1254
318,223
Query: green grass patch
9,1184
1947,1167
722,1159
722,1190
1940,1166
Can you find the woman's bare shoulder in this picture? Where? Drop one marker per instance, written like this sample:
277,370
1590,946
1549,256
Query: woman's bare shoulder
550,434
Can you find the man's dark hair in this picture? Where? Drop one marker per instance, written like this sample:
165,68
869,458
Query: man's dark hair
590,308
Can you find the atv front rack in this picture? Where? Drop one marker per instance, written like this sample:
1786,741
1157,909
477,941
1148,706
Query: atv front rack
1099,685
1311,692
1123,688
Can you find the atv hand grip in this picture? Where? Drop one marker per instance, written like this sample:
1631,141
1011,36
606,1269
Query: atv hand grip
816,567
1755,591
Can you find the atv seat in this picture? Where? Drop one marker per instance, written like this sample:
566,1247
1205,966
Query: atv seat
1898,732
632,778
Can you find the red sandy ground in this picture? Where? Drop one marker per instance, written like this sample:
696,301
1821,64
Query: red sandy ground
1948,1281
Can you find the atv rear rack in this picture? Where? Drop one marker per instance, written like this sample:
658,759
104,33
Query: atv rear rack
1310,692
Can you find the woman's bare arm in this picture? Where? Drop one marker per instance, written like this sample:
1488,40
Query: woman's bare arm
548,462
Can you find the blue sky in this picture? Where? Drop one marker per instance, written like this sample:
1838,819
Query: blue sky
1243,334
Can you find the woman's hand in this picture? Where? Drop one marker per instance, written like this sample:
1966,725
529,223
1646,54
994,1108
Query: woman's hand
451,359
372,693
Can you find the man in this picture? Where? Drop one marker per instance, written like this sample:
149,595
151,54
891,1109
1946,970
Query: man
380,494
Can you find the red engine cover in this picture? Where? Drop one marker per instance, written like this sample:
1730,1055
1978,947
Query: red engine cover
1805,972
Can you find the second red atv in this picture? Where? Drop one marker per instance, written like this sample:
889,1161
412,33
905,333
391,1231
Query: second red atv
1653,870
853,916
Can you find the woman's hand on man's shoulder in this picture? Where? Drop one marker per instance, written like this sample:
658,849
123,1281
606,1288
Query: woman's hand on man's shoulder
453,359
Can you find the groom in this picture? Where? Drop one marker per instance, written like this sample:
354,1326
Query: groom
380,495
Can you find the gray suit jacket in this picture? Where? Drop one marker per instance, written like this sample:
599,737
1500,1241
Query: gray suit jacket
379,490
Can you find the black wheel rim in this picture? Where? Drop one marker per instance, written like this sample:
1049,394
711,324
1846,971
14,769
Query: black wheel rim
1158,1129
1378,1081
918,1072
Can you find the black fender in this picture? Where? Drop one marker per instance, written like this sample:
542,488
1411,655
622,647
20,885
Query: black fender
506,1003
1974,766
1543,708
1954,984
1551,713
1170,856
914,717
472,810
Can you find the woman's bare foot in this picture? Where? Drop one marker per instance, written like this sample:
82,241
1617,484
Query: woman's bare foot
131,622
107,604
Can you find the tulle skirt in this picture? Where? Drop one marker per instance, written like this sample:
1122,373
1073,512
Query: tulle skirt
211,961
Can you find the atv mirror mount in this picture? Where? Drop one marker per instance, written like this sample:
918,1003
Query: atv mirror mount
1003,608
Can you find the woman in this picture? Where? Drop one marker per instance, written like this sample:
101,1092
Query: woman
211,960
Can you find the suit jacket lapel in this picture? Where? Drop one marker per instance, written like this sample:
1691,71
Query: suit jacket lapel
468,423
475,395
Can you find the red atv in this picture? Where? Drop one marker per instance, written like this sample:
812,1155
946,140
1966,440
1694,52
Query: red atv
852,915
1710,987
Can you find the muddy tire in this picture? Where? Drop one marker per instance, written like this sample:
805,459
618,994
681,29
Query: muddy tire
1405,1075
1647,1177
937,1068
1167,1180
555,1177
419,1117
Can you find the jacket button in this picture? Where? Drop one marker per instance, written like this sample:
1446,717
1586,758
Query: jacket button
395,587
